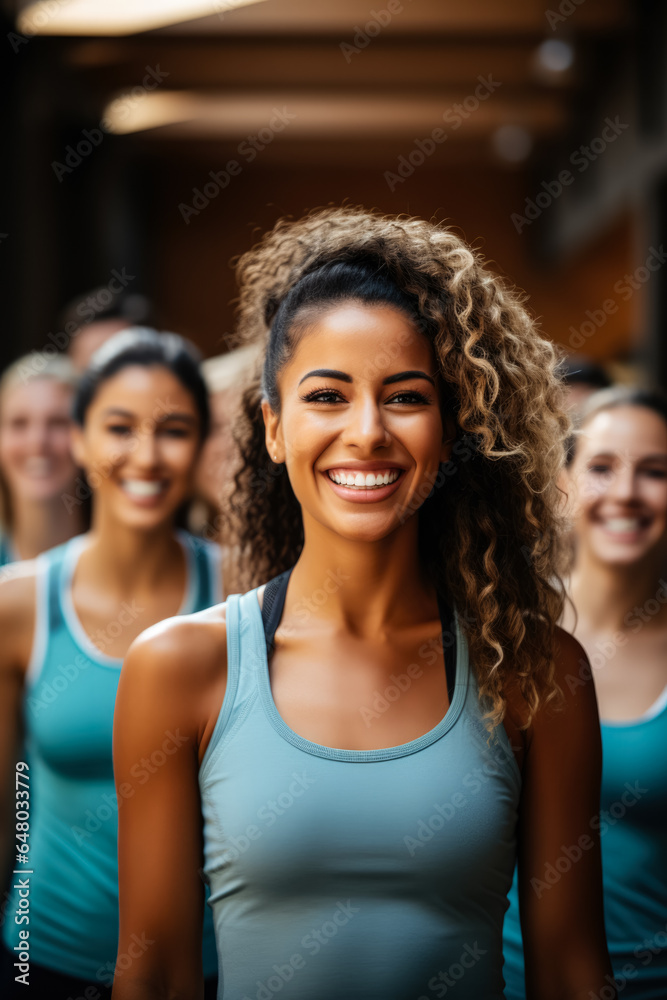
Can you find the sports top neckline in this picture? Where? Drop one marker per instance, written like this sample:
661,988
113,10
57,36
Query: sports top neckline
75,546
336,753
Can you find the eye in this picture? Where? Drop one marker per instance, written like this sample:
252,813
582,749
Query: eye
323,396
656,473
410,397
600,468
175,432
121,429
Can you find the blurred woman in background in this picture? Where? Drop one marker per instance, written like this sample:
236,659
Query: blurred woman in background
226,376
617,487
36,466
67,618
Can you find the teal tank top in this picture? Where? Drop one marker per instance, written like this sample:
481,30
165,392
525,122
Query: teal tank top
633,837
68,714
368,875
7,554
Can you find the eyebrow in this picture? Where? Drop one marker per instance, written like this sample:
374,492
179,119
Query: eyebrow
344,377
644,458
117,411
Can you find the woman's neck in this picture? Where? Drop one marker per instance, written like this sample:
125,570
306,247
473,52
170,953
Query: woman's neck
126,559
606,596
365,586
40,525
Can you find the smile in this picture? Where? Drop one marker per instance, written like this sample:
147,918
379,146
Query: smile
144,487
38,466
363,480
622,525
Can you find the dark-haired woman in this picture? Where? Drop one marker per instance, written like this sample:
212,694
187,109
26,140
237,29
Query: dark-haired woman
67,619
362,788
617,483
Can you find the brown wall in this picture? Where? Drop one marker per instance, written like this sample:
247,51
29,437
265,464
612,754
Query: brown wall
194,281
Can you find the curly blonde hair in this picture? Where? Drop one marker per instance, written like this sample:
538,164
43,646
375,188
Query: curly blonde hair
491,538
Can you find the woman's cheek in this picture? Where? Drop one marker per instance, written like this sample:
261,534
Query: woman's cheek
658,498
575,496
184,457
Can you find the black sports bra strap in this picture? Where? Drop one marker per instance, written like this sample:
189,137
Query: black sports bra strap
449,648
272,612
272,607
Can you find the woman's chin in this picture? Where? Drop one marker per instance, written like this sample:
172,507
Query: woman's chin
623,555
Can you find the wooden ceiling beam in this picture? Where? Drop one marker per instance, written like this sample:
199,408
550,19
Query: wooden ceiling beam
253,63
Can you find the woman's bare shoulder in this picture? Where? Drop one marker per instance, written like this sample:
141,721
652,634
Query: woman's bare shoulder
18,589
187,648
177,671
572,674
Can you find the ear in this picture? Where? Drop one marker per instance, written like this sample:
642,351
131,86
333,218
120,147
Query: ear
273,433
448,437
78,445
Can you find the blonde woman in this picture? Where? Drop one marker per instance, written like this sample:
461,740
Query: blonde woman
617,481
37,469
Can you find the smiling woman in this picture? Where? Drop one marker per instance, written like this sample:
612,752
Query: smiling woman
36,464
397,491
617,483
67,619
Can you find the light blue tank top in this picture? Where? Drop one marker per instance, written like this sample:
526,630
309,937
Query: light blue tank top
68,712
364,875
633,837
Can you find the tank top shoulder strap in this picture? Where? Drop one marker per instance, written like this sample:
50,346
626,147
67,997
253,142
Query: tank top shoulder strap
199,566
48,608
7,554
58,561
245,653
205,561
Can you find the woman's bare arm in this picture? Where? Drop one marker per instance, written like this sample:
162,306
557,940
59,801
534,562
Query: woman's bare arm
560,870
169,696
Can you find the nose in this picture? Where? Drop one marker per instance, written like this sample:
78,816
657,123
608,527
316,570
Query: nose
39,436
365,428
145,453
623,483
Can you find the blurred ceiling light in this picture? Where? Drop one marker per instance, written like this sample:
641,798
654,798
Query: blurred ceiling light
119,17
512,143
555,56
189,114
125,114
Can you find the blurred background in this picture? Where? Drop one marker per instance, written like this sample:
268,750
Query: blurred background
147,143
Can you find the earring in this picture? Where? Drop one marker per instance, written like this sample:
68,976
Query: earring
275,458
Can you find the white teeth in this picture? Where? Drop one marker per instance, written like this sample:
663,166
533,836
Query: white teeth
143,487
366,481
622,524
